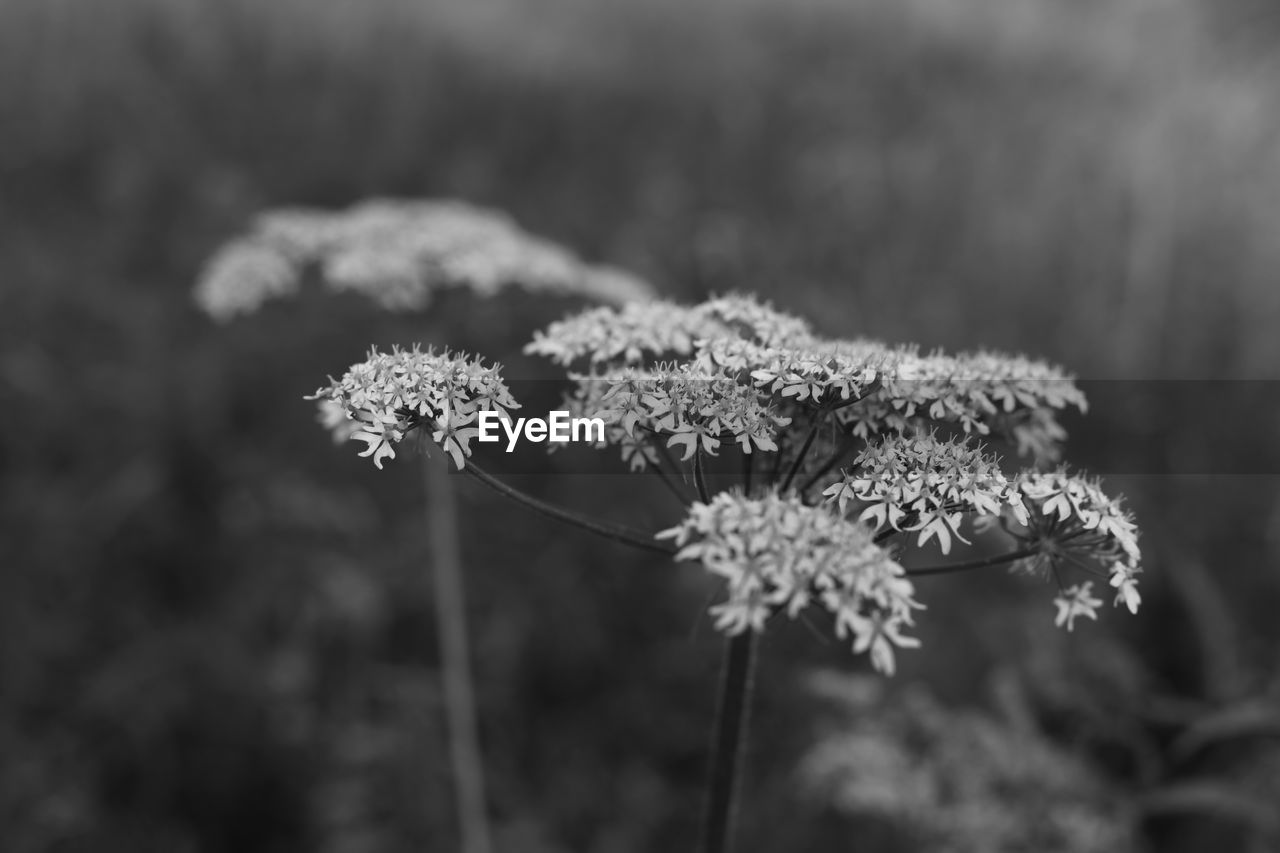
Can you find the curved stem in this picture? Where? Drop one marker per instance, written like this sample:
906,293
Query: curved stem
455,657
616,532
975,564
730,735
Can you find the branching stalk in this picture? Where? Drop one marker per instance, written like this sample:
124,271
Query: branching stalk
804,449
997,560
608,530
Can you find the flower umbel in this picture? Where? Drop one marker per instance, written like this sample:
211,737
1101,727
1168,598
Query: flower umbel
1070,522
389,394
398,253
922,483
777,554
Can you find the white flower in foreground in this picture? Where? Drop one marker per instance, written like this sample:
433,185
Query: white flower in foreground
777,554
921,483
389,394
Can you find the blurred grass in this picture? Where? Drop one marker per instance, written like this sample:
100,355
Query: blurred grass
1095,183
1105,176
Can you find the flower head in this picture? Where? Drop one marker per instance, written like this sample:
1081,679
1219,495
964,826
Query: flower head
1071,523
981,392
241,276
777,554
627,336
398,254
921,483
389,394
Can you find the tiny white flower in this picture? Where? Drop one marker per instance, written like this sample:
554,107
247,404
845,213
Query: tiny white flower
1126,584
1076,601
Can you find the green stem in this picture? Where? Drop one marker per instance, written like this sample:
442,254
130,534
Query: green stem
729,738
608,530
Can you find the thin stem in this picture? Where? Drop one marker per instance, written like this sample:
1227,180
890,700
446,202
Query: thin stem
455,658
729,738
606,529
748,467
976,564
700,477
804,449
663,451
843,450
669,483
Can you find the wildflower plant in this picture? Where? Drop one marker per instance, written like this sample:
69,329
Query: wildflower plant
399,254
847,452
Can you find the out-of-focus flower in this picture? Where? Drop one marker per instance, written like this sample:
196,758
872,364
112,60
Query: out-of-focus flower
955,780
398,253
384,397
1076,600
241,276
776,553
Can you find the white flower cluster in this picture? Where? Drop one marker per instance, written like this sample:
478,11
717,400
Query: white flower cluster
973,390
398,253
242,275
1071,518
921,483
778,554
630,335
684,406
749,319
736,334
809,370
872,387
388,394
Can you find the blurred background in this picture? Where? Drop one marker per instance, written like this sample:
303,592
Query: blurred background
216,630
